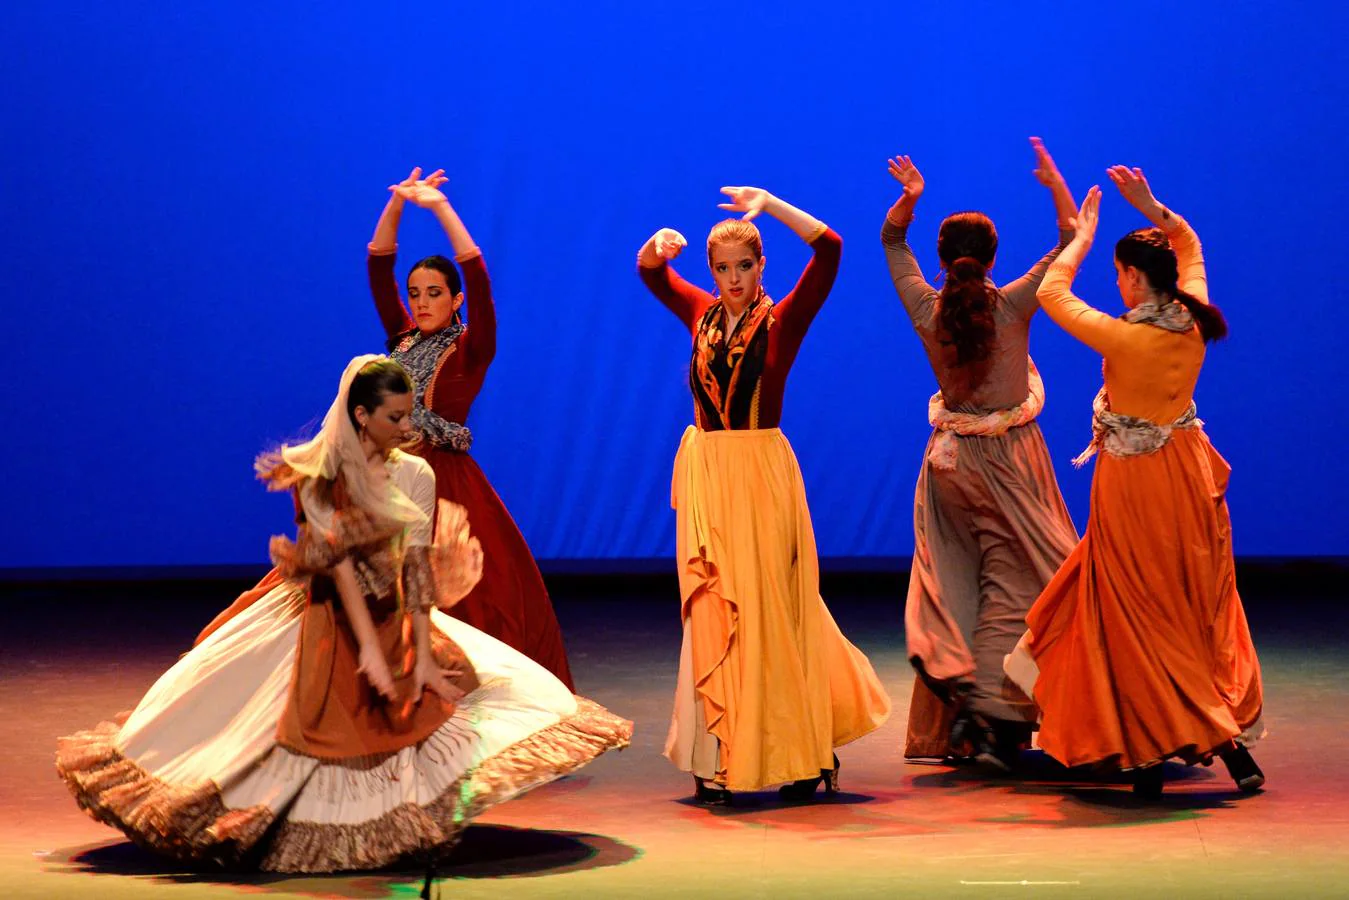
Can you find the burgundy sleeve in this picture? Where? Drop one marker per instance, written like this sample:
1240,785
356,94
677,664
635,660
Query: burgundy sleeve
481,335
384,289
683,299
795,312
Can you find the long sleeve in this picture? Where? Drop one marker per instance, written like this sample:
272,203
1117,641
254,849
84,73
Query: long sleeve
919,297
797,310
440,432
685,300
1020,294
422,491
325,536
419,583
1189,260
1104,334
384,290
480,339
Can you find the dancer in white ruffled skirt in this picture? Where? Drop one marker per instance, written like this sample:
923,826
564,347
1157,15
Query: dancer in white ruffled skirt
333,719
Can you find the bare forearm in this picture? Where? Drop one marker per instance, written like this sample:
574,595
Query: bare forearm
1074,253
353,604
460,239
421,631
803,223
386,229
1159,215
901,213
1065,207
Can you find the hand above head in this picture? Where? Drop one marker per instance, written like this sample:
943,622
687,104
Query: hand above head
424,192
749,200
906,173
1088,217
1046,172
1134,186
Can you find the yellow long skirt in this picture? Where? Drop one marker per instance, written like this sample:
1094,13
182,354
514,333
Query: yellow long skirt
768,683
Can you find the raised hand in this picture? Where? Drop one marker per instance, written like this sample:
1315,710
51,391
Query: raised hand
668,243
1045,171
748,200
428,676
375,668
1088,217
1134,186
906,173
424,192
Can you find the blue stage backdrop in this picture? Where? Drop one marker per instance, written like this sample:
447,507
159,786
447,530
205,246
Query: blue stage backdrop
189,188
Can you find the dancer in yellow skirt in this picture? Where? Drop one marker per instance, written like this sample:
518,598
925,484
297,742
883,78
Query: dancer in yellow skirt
768,686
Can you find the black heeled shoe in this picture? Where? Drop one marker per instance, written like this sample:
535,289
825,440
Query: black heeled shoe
966,736
709,794
803,790
1001,744
1241,766
1148,782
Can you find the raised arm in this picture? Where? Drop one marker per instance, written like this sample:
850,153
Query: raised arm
1189,254
382,254
795,311
1020,294
1103,333
683,299
480,339
919,297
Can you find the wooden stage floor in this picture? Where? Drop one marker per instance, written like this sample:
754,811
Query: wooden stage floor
73,654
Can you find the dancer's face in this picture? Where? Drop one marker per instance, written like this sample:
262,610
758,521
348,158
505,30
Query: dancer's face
390,424
737,273
433,306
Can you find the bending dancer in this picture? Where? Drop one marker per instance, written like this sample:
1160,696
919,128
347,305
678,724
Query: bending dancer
448,360
1138,650
990,526
768,686
339,721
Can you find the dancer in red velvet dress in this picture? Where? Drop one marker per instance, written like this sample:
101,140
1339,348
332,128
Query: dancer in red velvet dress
448,360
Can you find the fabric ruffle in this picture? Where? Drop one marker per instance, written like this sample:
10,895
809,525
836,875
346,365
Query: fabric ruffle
192,822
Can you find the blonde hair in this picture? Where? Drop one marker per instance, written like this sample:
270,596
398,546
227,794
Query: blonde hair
735,231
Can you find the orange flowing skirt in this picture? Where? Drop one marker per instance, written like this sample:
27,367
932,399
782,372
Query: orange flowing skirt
1138,650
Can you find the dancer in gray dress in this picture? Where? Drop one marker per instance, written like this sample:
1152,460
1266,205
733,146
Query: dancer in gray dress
990,526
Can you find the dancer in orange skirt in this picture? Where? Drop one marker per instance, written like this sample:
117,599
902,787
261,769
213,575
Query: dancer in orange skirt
768,686
1138,650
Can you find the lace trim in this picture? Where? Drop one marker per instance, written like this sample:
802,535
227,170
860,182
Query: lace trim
192,821
419,582
184,821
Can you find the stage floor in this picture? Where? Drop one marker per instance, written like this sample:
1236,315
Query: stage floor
624,827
